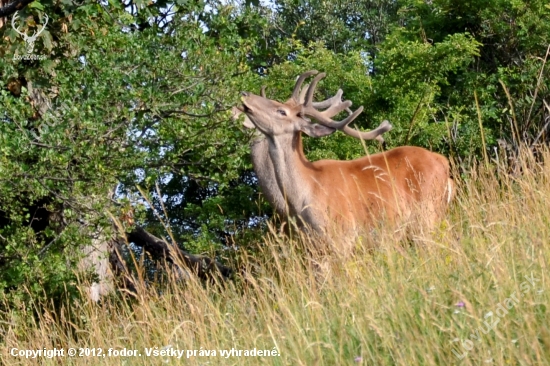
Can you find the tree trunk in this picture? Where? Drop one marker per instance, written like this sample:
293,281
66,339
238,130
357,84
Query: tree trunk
203,267
3,20
98,256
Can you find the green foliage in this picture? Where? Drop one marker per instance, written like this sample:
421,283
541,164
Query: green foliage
411,80
513,38
111,108
343,26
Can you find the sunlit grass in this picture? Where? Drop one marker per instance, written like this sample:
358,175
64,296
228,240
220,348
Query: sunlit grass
423,301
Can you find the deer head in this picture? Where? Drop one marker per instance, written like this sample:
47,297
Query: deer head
29,39
273,118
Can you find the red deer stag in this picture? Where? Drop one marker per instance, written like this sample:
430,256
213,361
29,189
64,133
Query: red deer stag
349,195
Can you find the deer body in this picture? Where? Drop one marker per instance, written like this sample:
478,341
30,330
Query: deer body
356,194
347,195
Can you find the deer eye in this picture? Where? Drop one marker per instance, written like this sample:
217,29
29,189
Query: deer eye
281,112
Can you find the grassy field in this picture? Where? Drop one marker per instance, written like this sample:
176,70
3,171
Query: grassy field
473,292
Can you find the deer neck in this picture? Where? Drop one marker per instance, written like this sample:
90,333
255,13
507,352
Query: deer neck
293,174
263,167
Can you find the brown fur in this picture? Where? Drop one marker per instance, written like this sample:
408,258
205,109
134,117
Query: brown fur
358,193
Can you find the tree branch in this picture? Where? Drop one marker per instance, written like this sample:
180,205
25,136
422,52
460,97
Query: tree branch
204,267
13,7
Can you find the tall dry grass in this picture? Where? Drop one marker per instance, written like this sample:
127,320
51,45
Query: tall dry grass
438,298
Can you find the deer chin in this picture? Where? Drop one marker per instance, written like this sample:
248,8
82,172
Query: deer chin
248,123
237,111
246,109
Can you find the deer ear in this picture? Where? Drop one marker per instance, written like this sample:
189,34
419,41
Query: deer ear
316,130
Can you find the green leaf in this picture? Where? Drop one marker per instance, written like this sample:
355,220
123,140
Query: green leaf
36,5
47,39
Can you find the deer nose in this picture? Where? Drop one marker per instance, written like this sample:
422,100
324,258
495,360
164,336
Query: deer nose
244,94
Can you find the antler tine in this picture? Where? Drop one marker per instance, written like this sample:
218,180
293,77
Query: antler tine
311,89
303,94
262,91
346,121
324,118
299,82
330,101
335,99
335,105
375,134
